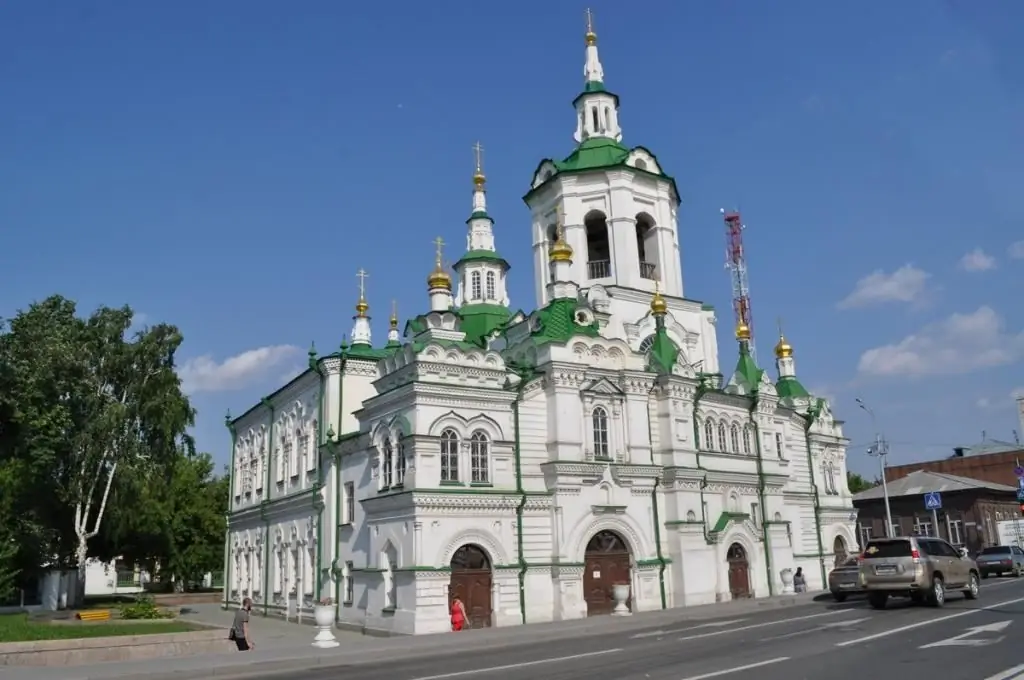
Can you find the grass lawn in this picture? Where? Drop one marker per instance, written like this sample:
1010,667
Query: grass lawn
17,628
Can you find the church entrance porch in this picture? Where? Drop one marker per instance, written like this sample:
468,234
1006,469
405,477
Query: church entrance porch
471,582
739,572
607,564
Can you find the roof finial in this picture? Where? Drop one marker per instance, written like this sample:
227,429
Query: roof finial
591,36
362,306
560,250
439,278
394,313
658,304
783,350
479,180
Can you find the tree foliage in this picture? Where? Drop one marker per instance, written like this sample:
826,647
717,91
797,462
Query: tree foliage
857,483
93,421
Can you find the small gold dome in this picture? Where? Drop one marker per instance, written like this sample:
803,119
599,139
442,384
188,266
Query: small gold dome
742,331
479,180
658,304
362,307
591,38
560,251
783,350
439,278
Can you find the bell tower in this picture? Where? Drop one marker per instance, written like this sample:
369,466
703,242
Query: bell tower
620,208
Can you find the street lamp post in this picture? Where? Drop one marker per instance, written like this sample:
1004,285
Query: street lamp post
880,450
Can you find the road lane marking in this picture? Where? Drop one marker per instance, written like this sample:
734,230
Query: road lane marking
1009,674
512,666
834,624
752,626
927,622
737,669
713,624
966,638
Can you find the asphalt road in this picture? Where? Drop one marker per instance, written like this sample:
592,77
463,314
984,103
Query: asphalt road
979,640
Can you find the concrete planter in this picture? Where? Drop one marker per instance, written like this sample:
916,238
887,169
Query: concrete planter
787,580
323,614
620,593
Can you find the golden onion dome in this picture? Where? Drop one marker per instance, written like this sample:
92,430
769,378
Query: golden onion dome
783,350
658,304
362,307
742,331
479,180
560,251
439,278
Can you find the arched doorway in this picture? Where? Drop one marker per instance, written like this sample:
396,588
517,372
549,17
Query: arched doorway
839,550
739,572
606,564
471,583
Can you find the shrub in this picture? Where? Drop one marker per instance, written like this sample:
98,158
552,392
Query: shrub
144,608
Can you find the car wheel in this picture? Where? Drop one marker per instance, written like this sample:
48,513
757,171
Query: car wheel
973,587
878,600
840,597
937,596
1016,572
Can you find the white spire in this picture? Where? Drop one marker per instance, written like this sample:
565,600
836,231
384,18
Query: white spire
481,226
597,110
361,328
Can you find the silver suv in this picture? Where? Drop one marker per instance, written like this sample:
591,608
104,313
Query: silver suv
919,567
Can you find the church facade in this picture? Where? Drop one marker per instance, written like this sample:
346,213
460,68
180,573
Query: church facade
528,462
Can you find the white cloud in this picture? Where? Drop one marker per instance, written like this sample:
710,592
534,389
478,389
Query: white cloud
983,403
908,284
205,374
977,261
1016,250
1017,393
959,343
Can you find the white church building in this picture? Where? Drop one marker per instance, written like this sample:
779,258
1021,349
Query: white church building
528,462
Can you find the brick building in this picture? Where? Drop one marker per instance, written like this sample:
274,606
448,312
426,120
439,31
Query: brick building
971,509
990,461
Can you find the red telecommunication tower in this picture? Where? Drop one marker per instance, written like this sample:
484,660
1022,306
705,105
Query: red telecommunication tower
736,263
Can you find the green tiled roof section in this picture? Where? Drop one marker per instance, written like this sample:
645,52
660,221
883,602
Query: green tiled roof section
482,256
366,352
746,369
790,387
594,153
420,345
479,215
558,323
594,86
480,320
663,351
415,326
726,518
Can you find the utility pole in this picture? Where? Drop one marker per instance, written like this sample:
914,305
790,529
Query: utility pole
880,449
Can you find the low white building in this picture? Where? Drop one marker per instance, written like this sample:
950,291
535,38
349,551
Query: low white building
528,462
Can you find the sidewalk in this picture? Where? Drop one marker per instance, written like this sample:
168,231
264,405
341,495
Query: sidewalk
289,646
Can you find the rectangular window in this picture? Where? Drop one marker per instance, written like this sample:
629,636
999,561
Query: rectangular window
755,516
349,585
896,530
778,444
865,534
956,532
350,503
923,527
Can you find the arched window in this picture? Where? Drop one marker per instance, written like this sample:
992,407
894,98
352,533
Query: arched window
746,439
646,345
449,456
721,437
599,254
647,246
600,422
734,438
479,458
475,285
491,295
400,465
386,469
830,480
709,435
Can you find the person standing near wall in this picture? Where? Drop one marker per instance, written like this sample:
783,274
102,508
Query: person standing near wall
240,627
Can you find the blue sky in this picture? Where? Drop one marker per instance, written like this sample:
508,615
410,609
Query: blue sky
228,167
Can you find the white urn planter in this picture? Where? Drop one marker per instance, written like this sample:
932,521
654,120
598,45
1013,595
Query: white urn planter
620,593
787,580
324,616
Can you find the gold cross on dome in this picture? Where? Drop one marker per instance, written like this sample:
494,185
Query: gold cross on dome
590,21
440,249
778,322
478,155
362,276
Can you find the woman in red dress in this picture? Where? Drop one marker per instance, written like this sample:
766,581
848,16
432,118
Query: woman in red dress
459,617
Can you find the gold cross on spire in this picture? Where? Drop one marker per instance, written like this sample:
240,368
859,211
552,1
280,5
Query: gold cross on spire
778,322
362,276
591,36
440,250
478,154
394,314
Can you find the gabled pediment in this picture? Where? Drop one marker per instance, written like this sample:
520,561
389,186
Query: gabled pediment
602,386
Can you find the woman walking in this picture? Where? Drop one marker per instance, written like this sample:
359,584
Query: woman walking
459,618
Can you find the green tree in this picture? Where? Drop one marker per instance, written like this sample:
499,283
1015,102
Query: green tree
857,483
88,402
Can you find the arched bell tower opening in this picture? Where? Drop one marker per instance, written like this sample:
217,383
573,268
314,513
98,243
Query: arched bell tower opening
599,252
647,247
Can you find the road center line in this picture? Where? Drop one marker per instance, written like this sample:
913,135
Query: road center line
1008,674
523,664
927,622
752,626
737,669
